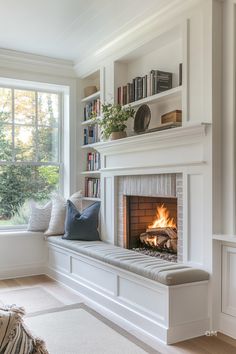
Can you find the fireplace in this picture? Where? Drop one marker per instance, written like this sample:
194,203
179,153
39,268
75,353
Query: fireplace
150,225
139,196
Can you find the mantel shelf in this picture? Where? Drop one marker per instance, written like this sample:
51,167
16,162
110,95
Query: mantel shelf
186,135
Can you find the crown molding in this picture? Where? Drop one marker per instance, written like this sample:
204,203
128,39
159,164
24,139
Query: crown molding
16,60
169,16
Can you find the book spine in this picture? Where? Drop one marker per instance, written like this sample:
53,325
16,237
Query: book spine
124,95
144,82
164,81
140,88
180,74
152,82
128,93
119,95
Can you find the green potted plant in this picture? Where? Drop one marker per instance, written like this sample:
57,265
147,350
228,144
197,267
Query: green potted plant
114,119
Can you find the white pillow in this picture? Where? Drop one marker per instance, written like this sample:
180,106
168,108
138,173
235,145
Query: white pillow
39,216
77,200
58,215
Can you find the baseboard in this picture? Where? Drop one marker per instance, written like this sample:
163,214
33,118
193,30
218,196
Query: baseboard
227,325
22,271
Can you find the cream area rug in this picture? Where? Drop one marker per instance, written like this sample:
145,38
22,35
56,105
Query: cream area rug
32,299
77,329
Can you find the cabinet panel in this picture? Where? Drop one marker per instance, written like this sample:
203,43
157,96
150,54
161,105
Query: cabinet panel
229,280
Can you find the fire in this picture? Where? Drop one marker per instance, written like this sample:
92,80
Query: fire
163,219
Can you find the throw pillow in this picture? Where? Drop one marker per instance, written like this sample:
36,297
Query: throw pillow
39,216
82,225
57,222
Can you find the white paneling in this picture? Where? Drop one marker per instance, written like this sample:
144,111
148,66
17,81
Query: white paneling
228,121
108,210
229,280
96,276
143,303
186,296
142,297
59,260
195,218
164,157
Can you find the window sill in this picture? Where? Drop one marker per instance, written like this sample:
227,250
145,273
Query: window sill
20,233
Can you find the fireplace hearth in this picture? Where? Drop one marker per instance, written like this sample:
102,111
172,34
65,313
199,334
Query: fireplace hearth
150,225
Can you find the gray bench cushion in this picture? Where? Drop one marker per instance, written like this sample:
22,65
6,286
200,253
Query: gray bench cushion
165,272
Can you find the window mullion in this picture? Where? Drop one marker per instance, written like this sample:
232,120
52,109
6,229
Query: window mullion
13,124
36,128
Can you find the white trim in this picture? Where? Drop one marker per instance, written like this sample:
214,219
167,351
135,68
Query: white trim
22,271
36,63
187,135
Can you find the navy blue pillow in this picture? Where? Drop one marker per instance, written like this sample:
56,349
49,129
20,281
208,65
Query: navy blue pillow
82,226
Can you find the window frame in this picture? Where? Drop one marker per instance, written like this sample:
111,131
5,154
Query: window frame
60,162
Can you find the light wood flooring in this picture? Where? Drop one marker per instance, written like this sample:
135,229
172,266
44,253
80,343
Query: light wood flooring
65,296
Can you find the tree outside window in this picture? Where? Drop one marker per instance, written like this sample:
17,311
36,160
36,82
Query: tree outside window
29,150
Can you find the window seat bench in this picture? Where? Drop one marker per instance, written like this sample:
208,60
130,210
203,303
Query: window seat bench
163,300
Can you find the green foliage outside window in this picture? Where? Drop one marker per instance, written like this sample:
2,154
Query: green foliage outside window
29,146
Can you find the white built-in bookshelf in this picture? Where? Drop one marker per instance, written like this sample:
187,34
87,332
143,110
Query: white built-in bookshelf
90,158
163,53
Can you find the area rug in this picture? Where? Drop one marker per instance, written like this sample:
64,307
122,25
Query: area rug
77,329
32,299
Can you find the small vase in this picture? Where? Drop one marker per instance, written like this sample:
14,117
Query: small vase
117,135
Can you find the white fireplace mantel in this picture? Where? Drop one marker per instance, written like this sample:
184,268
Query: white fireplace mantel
185,151
173,147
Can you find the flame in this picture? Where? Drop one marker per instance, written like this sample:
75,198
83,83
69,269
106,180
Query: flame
163,219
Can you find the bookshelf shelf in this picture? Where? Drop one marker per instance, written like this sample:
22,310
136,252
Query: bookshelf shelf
92,97
90,146
95,172
166,95
90,121
92,199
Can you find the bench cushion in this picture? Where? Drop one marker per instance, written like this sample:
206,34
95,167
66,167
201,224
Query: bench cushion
165,272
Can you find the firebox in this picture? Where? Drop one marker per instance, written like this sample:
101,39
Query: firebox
150,223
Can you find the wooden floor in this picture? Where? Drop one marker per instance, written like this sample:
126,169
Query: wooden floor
202,345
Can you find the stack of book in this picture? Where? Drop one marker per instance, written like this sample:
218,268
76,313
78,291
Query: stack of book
92,187
92,108
91,134
155,82
93,161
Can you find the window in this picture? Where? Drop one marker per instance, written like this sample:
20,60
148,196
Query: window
30,145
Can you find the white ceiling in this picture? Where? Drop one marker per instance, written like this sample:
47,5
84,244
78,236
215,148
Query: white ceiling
69,29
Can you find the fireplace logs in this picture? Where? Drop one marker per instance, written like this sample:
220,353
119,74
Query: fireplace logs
162,238
162,234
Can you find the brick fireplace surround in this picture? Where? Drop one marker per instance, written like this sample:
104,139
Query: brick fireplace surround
164,187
